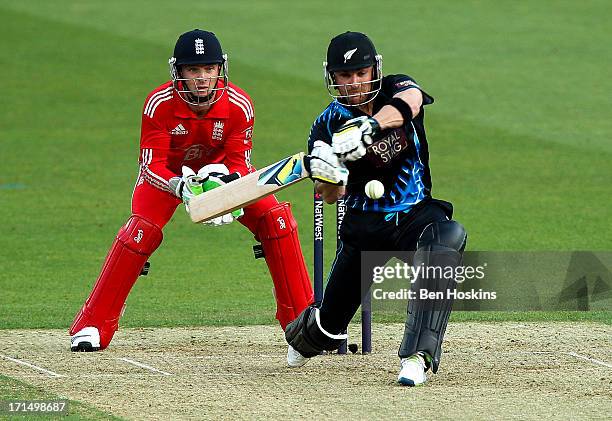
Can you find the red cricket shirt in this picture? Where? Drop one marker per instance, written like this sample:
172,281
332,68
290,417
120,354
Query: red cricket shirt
172,135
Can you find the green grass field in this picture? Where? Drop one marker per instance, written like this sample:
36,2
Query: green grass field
520,142
519,136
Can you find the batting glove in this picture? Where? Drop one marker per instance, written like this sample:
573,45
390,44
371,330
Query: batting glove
213,176
325,166
350,141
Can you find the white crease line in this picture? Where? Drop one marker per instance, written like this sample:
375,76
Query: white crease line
146,367
35,367
508,353
90,376
186,374
222,357
593,360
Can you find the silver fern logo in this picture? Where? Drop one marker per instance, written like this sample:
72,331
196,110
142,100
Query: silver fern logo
199,46
349,54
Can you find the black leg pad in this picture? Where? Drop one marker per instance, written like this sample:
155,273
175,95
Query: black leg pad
440,246
306,335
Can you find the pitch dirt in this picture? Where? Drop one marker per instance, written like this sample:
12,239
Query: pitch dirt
489,371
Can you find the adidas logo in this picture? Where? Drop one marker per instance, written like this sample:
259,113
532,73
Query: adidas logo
179,130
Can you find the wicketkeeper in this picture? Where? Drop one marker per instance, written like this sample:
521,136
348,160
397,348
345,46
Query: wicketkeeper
198,126
375,127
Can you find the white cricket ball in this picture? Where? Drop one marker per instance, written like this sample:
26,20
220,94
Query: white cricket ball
374,189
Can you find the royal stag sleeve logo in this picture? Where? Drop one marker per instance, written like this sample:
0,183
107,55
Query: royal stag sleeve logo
283,172
405,84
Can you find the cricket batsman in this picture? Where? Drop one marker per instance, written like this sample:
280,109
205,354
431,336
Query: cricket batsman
375,126
198,126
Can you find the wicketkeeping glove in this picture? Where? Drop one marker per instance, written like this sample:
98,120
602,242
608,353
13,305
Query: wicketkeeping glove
186,186
324,165
213,176
350,141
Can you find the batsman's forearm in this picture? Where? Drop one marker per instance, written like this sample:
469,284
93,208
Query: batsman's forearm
390,118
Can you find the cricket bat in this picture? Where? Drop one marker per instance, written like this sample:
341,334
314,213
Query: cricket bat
248,189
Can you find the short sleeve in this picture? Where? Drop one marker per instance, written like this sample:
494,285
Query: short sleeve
393,84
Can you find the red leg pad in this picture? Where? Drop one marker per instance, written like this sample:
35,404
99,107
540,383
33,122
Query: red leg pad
277,231
135,242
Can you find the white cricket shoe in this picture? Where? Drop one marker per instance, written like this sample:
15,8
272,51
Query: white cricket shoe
294,358
412,371
85,340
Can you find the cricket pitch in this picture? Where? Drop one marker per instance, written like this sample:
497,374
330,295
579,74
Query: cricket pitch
489,371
